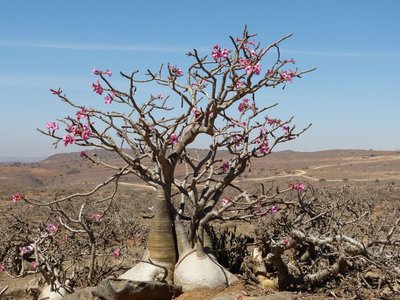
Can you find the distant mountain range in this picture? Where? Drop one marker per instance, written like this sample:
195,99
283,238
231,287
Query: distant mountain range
21,159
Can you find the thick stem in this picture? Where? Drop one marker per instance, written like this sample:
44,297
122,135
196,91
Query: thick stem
161,244
182,240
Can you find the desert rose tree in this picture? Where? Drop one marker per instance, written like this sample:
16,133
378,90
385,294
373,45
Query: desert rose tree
215,100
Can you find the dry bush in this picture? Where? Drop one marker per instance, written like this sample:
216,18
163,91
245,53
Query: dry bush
345,242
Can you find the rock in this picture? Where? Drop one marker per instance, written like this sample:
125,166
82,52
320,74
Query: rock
122,289
84,294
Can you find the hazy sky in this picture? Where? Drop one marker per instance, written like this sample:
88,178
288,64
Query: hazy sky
352,99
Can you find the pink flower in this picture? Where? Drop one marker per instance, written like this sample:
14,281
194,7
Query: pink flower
286,241
274,210
2,267
177,72
173,138
96,71
108,99
107,72
244,105
74,129
33,265
160,96
287,75
117,253
251,68
273,122
239,84
98,217
17,197
257,69
84,154
298,186
54,92
82,113
286,129
225,201
26,250
225,167
52,125
219,54
196,112
264,147
86,133
97,88
68,139
52,228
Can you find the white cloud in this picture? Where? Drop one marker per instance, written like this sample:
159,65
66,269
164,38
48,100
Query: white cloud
82,46
343,54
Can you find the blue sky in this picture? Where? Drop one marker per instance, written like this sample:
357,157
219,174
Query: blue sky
352,99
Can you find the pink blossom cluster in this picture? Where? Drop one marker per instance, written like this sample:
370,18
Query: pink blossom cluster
264,147
287,75
117,253
177,72
82,130
262,139
33,265
225,201
109,98
17,197
68,139
286,129
173,138
197,113
273,210
273,122
96,71
82,113
298,186
98,217
2,267
97,88
218,54
78,129
26,250
239,84
52,126
225,167
52,228
252,68
244,105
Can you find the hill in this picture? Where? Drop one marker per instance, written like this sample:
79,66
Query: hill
70,171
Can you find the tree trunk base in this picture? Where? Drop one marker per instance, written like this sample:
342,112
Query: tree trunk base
195,272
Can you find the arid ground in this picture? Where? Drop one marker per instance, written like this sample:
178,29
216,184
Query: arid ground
70,173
